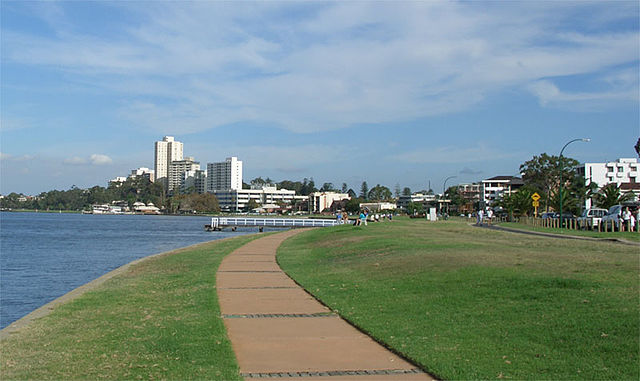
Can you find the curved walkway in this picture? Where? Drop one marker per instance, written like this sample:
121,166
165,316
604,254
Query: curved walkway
278,330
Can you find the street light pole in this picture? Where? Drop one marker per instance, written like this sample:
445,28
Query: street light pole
586,140
444,186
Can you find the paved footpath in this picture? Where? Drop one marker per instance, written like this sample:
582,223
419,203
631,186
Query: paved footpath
278,330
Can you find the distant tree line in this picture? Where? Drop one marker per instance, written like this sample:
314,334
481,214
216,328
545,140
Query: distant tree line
130,191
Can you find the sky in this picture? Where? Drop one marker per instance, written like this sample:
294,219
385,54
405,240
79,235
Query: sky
393,93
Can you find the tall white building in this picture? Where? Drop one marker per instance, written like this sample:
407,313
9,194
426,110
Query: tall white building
177,169
225,175
166,151
623,172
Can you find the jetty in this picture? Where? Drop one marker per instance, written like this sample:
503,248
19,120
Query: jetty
219,223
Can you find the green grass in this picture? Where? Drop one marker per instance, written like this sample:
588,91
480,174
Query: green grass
469,303
159,320
629,236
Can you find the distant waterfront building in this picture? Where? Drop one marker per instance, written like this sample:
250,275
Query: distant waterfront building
319,201
224,175
420,198
117,181
166,151
196,180
499,186
236,200
177,169
378,206
143,172
623,172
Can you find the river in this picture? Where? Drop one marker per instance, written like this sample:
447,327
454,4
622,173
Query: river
45,255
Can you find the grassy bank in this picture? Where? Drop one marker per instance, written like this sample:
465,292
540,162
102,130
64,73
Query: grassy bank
469,303
158,320
629,236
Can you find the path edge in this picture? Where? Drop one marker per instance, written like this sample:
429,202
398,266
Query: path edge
352,324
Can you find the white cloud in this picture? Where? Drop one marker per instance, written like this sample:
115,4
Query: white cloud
194,66
549,94
98,159
10,157
75,160
95,159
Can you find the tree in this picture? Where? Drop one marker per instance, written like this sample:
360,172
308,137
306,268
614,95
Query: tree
454,195
610,195
637,147
352,194
364,190
396,191
406,191
327,187
252,204
518,203
379,193
353,205
345,188
414,208
543,172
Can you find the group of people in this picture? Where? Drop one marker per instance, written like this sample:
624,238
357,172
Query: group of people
482,216
343,217
629,219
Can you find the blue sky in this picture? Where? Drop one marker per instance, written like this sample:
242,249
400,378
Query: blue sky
385,92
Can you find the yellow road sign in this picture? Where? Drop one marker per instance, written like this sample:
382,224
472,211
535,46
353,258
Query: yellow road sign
536,203
535,196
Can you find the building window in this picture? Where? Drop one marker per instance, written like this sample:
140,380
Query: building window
620,169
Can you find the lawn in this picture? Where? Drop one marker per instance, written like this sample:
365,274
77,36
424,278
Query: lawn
159,320
470,303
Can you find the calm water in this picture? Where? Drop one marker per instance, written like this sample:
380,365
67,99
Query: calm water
45,255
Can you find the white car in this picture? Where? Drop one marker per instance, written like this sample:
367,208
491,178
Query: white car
590,218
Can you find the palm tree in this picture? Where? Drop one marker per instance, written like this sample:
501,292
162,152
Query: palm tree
610,195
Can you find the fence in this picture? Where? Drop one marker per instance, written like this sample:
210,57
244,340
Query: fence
574,224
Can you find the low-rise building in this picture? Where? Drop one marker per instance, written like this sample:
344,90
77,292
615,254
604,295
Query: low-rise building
420,198
141,207
320,201
499,186
378,206
144,173
118,181
236,200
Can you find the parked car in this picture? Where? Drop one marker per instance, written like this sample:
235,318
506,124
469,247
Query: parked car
546,215
590,218
612,218
566,216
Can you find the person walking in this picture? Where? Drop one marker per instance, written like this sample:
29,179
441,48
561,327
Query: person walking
626,218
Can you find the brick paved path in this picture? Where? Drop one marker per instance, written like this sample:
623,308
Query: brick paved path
278,330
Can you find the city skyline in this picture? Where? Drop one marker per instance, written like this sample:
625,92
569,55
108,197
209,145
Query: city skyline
402,93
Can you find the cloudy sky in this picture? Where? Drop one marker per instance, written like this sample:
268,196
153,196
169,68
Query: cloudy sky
388,92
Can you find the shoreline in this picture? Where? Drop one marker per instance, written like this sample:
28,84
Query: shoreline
46,309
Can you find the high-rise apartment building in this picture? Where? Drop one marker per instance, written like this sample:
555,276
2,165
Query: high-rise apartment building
225,175
166,151
177,169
